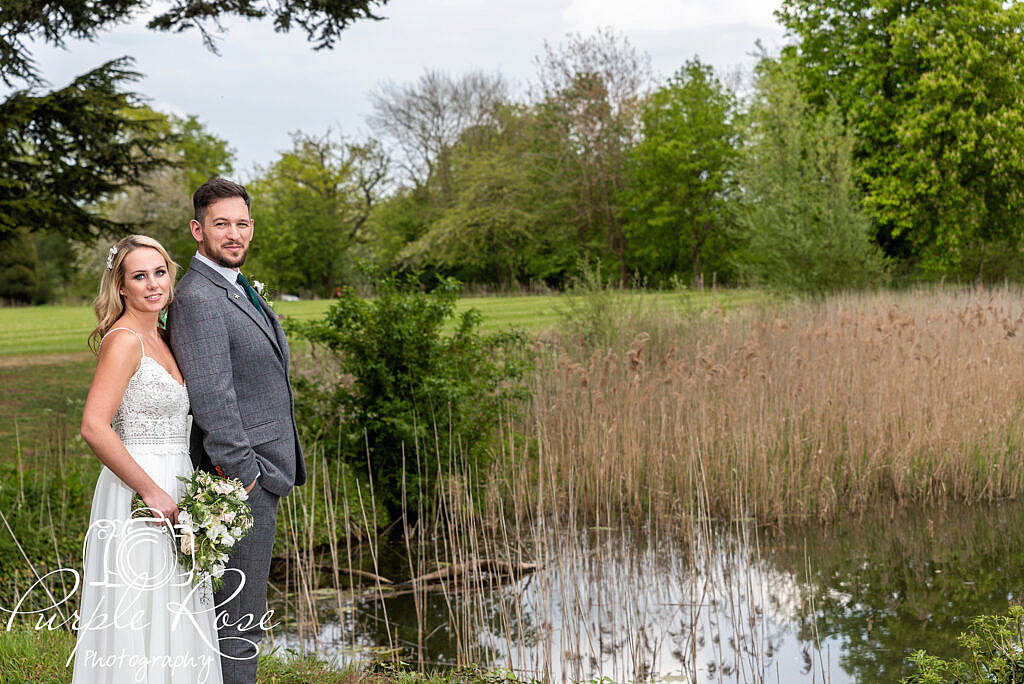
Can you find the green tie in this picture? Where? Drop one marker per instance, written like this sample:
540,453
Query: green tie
251,294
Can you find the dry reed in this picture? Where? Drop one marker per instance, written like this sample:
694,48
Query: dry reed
806,410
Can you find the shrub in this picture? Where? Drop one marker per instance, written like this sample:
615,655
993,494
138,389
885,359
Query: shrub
995,644
410,397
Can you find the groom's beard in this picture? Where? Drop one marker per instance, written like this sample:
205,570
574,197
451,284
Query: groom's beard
223,259
232,263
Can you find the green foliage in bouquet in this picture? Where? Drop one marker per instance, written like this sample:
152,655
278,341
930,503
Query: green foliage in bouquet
411,401
212,517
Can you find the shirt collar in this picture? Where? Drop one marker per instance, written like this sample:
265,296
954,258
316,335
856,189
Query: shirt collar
230,274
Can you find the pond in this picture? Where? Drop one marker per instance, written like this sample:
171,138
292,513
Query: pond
847,602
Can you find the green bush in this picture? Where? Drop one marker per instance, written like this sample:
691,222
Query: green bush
409,398
995,645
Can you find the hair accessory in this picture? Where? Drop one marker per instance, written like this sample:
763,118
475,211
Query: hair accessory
110,257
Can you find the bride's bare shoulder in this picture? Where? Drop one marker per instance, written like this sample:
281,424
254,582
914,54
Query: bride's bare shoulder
120,350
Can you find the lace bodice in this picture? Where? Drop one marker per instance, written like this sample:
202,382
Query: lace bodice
154,408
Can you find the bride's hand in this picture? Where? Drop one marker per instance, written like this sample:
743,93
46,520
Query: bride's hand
162,505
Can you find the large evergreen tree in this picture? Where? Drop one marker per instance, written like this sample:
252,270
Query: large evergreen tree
65,149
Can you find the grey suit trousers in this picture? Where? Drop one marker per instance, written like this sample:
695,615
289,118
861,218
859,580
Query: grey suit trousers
248,568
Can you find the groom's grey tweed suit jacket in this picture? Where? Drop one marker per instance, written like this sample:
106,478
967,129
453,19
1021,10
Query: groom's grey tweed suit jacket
235,364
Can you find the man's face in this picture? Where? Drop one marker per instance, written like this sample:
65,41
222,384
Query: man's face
225,232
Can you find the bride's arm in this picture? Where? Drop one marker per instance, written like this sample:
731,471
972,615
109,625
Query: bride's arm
120,356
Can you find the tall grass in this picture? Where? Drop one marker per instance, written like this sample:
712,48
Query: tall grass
802,410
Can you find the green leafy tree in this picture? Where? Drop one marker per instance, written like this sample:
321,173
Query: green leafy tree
397,220
500,227
590,91
681,176
311,211
800,217
66,150
63,151
932,91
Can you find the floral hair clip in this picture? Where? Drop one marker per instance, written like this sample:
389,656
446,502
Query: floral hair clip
110,257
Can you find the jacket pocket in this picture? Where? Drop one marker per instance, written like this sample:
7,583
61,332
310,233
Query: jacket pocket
262,433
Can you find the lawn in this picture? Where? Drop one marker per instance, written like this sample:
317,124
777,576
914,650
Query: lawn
62,330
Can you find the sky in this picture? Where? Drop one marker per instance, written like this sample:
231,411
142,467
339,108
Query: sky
265,85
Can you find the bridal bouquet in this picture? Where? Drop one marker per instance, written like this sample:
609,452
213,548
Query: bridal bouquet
212,517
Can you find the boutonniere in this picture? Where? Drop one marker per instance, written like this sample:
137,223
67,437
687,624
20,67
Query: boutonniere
260,289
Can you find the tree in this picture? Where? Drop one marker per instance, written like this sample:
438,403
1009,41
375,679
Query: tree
65,150
311,207
18,280
800,216
161,204
427,118
680,176
933,93
498,228
589,95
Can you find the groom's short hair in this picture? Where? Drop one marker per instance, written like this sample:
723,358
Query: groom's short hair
217,189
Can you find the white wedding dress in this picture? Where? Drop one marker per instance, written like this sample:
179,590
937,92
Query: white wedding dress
140,618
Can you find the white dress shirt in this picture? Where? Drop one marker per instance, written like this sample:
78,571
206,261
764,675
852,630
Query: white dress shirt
230,274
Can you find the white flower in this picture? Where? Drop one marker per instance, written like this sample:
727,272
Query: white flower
228,541
217,571
236,532
258,286
187,544
217,533
184,519
110,257
223,487
227,517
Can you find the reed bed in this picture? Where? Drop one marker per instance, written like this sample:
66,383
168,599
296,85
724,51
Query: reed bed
552,601
803,410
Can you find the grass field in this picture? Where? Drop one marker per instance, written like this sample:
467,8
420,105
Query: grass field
62,330
46,367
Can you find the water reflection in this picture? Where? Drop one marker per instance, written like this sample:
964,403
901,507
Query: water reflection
888,585
845,603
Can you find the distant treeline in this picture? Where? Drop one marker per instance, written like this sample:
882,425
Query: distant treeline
886,142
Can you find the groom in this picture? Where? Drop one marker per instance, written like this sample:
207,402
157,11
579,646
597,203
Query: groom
234,356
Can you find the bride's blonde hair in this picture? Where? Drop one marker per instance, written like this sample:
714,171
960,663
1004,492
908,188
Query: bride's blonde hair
109,304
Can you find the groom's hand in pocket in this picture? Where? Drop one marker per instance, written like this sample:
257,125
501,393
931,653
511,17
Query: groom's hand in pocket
249,488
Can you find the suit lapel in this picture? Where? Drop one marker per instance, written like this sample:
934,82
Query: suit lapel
282,343
241,301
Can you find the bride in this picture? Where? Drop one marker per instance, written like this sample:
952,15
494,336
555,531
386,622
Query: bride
140,618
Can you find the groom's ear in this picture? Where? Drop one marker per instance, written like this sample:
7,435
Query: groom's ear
197,230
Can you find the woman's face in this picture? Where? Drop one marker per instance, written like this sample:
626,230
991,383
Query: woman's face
146,280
